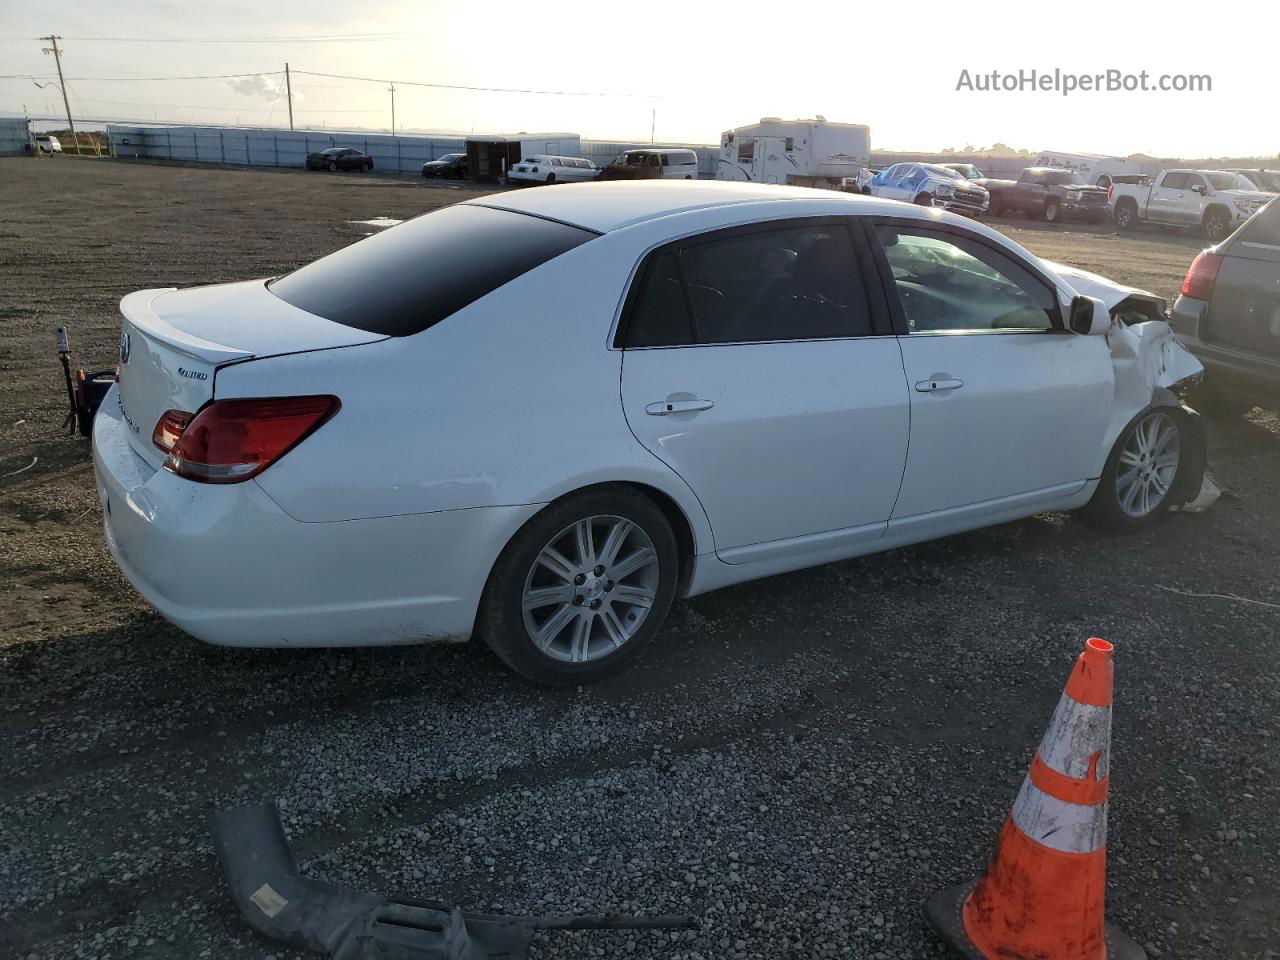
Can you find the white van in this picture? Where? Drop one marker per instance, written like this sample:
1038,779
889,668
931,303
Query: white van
676,164
548,169
1093,168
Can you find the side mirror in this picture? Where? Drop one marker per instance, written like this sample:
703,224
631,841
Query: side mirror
1088,316
1200,188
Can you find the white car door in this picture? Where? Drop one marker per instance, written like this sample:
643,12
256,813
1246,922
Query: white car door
1167,197
754,369
1007,407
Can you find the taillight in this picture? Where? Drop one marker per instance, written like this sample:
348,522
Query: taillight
169,428
230,441
1110,189
1201,276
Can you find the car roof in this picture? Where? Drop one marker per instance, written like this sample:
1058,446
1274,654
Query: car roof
615,204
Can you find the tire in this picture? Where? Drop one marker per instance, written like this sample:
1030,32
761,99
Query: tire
1126,215
366,166
582,645
995,208
333,167
551,178
1217,224
1119,506
1052,212
924,200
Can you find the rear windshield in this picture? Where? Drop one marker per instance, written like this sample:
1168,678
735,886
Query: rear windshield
1264,226
410,277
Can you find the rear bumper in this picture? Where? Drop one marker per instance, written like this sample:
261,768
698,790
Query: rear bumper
1235,372
227,565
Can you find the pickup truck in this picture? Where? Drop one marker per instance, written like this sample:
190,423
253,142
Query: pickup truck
1049,193
1214,201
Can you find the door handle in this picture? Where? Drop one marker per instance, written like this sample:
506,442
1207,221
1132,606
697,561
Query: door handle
665,407
938,383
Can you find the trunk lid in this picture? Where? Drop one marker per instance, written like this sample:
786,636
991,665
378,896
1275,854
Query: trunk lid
173,342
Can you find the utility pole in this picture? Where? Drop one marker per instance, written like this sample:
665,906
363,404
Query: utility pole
53,38
288,86
653,122
392,88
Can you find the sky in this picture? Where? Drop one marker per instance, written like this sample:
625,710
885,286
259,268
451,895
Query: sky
681,72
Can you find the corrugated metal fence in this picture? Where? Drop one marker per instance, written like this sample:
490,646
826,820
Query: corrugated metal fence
15,135
282,148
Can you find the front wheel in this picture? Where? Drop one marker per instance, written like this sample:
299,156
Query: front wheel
551,178
1216,225
1141,472
582,588
924,200
1052,212
333,167
1126,216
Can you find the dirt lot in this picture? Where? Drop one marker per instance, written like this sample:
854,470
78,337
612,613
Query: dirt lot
798,761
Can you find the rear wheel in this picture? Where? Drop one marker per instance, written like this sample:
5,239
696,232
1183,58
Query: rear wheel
1126,215
582,588
366,166
333,166
1141,472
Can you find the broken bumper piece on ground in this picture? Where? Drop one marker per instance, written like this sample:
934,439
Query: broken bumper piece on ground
314,915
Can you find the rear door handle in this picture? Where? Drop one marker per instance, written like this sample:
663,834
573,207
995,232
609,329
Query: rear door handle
664,407
938,383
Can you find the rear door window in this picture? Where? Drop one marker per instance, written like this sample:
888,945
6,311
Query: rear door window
406,279
794,283
1264,226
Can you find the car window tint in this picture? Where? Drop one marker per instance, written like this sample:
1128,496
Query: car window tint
1264,226
1194,180
950,283
798,283
1174,181
410,277
660,315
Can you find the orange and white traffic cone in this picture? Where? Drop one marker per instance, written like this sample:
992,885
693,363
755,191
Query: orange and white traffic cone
1041,897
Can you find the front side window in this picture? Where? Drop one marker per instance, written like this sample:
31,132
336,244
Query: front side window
403,280
794,283
746,151
949,283
1195,181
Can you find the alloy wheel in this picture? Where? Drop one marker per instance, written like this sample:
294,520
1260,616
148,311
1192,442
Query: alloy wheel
590,589
1148,465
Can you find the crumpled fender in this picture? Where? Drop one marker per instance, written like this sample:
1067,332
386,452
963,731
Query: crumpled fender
1149,363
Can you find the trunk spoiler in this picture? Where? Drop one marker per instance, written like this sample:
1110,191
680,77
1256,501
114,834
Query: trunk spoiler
315,915
137,309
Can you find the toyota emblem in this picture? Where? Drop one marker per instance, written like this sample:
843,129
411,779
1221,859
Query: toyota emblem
124,348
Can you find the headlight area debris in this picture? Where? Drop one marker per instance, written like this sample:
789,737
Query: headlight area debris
347,925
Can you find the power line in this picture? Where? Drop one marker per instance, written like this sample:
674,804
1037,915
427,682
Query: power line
454,86
208,76
307,38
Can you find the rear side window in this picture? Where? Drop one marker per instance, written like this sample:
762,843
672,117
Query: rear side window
1264,226
797,283
409,278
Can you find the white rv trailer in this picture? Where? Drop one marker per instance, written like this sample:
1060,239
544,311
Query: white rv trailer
810,153
1093,168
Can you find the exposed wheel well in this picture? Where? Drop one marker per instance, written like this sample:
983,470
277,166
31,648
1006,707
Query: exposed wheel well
1215,208
680,526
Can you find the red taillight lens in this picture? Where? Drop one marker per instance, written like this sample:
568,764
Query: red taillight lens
230,441
1110,189
169,428
1201,276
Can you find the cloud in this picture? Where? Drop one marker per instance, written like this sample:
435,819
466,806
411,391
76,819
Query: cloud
265,88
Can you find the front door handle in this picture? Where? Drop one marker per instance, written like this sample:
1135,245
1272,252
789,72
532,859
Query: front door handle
665,407
938,383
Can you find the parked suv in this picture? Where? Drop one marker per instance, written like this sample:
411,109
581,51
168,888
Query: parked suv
1229,314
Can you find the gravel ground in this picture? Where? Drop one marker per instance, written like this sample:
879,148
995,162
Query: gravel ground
798,762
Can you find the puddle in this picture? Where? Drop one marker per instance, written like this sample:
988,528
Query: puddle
377,222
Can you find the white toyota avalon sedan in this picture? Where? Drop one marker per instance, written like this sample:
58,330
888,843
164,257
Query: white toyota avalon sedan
541,416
